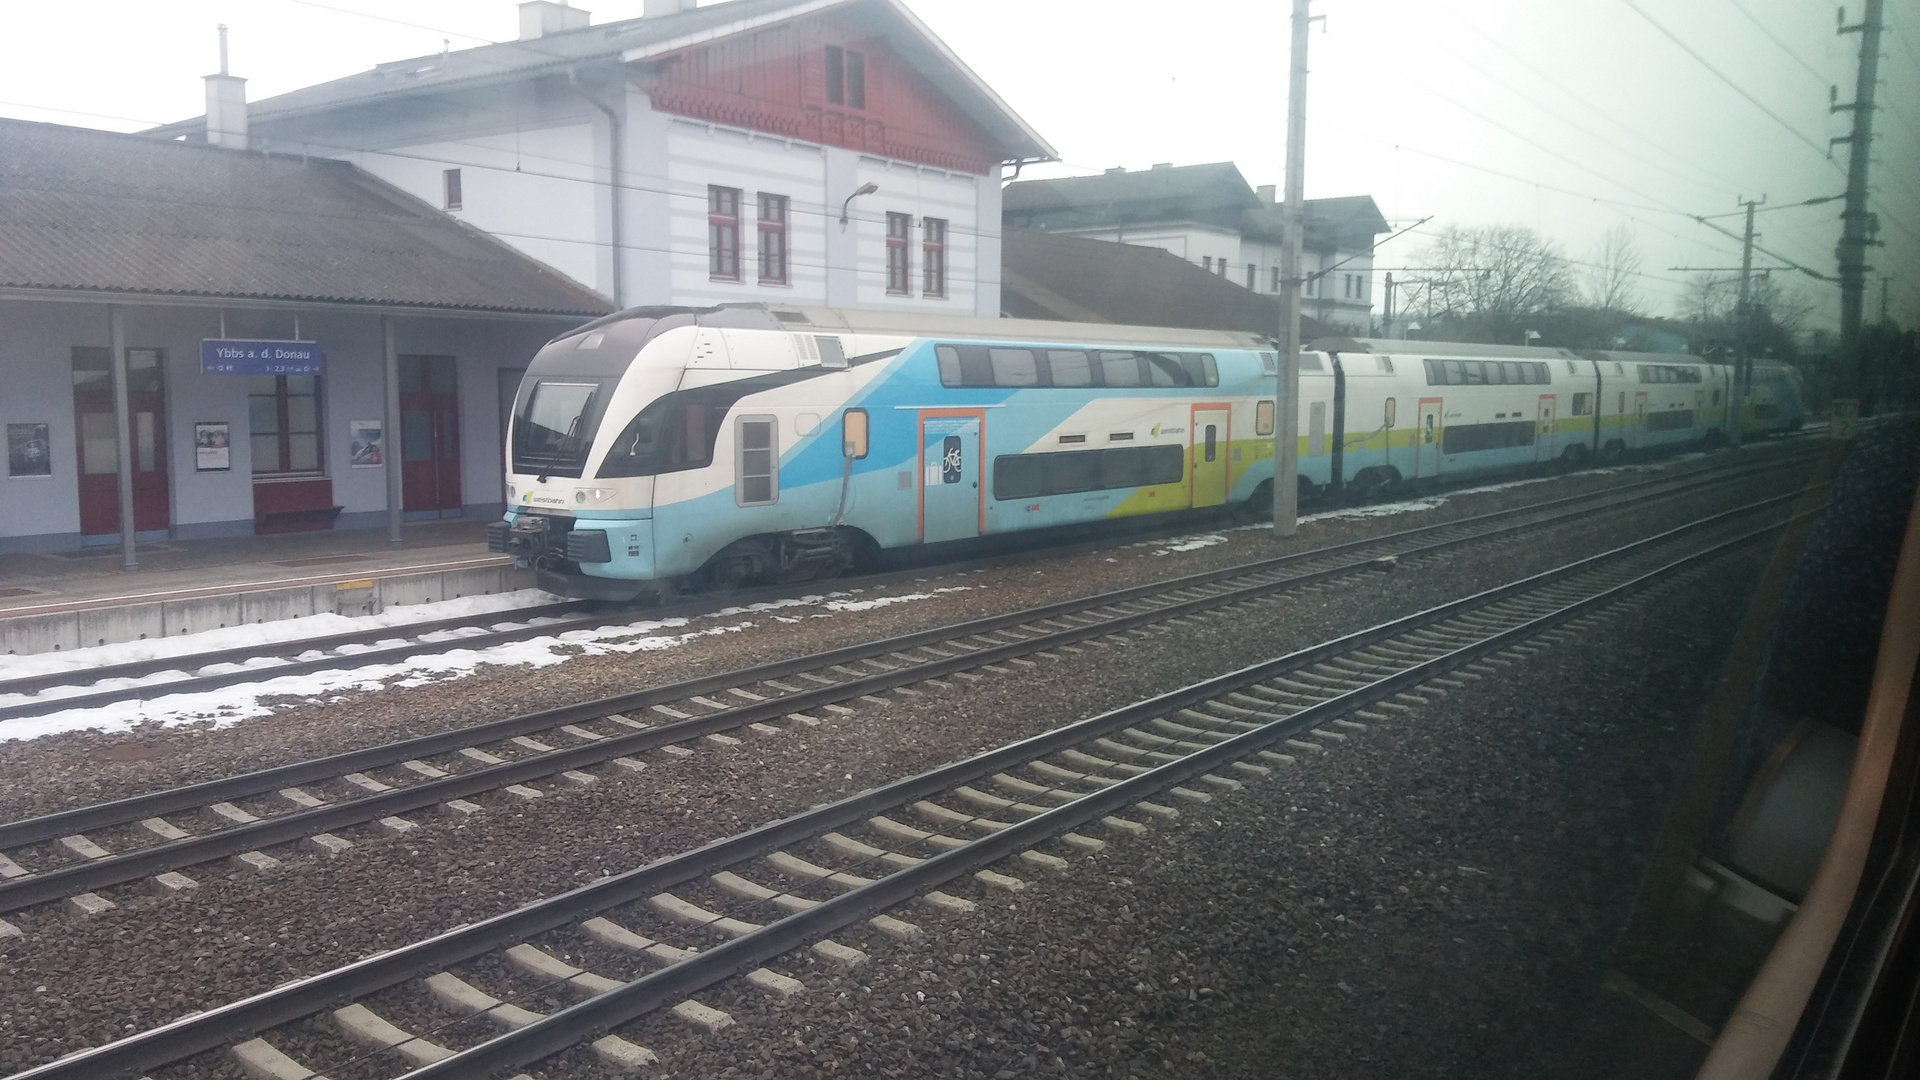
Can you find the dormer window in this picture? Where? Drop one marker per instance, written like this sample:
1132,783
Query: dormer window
846,77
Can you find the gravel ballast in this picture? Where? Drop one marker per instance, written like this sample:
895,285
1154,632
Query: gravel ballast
242,934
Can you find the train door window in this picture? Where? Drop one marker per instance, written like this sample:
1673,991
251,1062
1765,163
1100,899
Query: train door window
1014,367
1263,417
1582,404
757,461
949,358
853,433
1069,367
1213,439
1623,402
1119,369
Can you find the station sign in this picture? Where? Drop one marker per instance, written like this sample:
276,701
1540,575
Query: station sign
222,356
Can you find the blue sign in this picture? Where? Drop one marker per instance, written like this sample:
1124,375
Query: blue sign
219,357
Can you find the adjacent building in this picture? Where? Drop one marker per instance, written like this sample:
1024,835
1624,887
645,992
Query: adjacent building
1209,216
233,342
801,151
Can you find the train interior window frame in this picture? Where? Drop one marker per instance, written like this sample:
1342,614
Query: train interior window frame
854,431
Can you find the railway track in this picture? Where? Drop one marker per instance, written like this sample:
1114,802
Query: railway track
676,927
254,663
70,856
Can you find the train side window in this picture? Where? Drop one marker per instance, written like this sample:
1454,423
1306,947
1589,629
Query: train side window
1389,412
1384,363
949,365
1436,374
1517,372
1069,367
1075,470
1019,476
1200,369
1119,369
1014,367
1475,372
1497,373
1544,376
692,448
1456,372
1164,369
853,433
757,463
1123,468
1263,417
1582,404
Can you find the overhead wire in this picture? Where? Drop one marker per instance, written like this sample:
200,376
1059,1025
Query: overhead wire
1784,47
1723,77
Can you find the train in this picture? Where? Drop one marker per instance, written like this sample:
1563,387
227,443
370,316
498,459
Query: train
705,448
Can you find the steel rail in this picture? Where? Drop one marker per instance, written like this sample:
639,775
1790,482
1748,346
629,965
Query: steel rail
199,683
568,1027
237,1020
100,873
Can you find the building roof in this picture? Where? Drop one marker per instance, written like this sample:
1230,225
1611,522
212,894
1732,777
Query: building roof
87,210
639,40
1212,194
1045,276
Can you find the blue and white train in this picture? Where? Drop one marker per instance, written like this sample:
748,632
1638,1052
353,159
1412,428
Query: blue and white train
763,443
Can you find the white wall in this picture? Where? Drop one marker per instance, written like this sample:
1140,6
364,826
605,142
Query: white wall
919,192
699,155
533,189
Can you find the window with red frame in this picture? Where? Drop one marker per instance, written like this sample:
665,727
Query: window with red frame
723,233
773,239
899,226
933,256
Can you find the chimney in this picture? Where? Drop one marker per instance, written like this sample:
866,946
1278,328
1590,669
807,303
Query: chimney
1115,171
1266,193
226,104
538,18
656,8
1158,166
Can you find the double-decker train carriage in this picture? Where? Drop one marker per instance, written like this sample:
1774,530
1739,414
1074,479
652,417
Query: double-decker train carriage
750,442
753,443
1376,413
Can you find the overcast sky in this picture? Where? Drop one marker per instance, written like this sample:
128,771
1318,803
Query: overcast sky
1569,118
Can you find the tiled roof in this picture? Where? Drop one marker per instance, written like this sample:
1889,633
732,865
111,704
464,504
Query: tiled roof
97,211
636,39
1044,276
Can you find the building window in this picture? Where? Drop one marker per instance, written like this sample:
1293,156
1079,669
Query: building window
723,233
846,77
1250,270
283,414
933,256
773,239
450,187
898,228
1276,279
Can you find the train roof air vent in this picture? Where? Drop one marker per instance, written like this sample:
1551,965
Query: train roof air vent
831,355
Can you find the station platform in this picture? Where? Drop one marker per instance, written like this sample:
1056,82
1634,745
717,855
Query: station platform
52,601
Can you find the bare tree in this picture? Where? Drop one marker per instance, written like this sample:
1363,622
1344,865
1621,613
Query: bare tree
1488,279
1612,266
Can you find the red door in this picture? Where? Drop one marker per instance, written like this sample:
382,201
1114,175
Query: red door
429,434
99,451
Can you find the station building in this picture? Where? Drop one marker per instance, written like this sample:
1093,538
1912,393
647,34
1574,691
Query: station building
162,256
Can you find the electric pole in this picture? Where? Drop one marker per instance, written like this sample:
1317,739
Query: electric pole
1856,222
1743,330
1286,391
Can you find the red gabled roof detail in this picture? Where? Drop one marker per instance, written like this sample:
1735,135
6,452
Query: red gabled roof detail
774,80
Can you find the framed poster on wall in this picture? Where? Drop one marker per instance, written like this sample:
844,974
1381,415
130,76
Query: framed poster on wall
366,444
212,446
29,452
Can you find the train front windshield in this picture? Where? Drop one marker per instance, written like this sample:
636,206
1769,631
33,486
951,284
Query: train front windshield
555,425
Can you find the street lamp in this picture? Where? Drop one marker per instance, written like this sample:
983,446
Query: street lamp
867,188
1532,336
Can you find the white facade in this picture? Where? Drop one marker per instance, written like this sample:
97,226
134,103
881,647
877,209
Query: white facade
547,191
